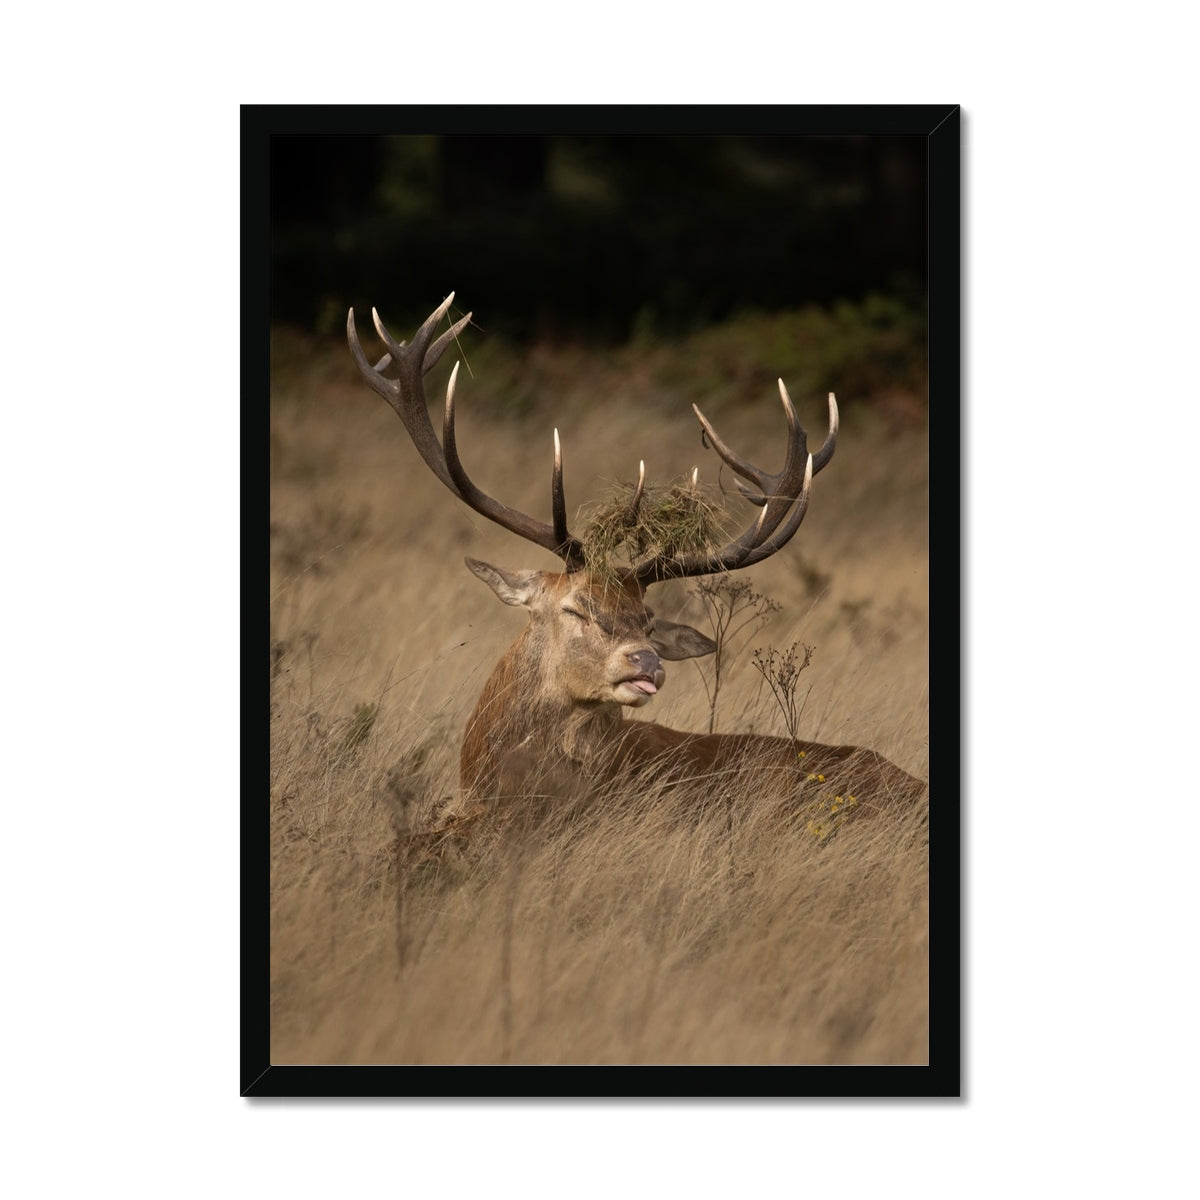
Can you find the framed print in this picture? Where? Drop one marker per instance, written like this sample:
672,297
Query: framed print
605,580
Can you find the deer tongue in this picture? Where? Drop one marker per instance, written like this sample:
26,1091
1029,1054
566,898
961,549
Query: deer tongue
642,685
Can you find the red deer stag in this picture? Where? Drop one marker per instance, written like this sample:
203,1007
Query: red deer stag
592,647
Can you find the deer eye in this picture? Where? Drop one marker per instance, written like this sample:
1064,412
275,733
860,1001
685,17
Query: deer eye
574,613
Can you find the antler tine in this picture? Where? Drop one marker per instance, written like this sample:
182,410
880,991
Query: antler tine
636,502
554,538
825,453
558,502
434,353
782,499
359,354
746,470
395,348
406,394
784,534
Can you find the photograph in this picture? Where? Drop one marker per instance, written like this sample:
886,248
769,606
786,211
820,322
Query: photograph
600,683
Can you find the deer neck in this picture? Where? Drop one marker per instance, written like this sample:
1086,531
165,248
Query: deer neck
521,708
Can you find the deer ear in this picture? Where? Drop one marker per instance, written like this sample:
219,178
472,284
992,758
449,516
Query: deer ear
674,642
519,588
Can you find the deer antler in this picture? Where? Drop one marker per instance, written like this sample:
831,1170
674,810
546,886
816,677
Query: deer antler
406,394
782,497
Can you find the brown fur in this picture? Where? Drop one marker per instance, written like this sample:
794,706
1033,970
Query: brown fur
848,771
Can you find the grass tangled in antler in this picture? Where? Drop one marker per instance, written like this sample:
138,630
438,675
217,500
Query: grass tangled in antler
670,520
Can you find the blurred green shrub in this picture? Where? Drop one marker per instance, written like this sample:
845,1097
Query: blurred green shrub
857,350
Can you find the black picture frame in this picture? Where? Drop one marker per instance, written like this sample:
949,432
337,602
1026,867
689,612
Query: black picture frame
940,126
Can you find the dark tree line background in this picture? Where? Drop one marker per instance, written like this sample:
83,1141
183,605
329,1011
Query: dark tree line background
583,237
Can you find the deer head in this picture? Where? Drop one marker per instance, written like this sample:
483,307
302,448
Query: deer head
607,644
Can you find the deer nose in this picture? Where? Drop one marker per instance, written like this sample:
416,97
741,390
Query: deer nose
646,662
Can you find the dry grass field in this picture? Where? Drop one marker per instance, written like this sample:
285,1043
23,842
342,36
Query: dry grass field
623,934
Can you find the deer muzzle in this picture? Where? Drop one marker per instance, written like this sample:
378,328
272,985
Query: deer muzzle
650,674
